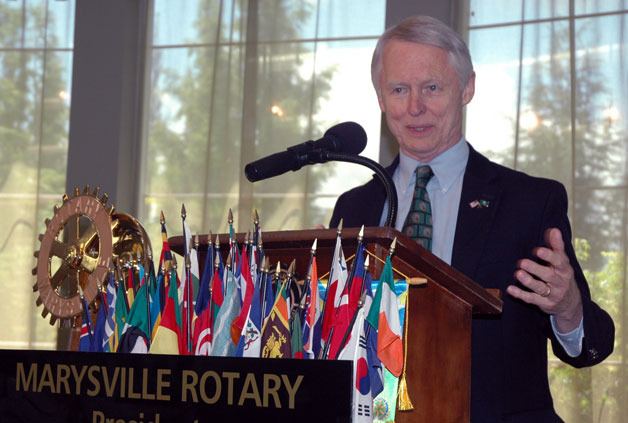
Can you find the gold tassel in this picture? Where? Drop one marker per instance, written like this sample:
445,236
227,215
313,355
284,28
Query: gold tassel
404,403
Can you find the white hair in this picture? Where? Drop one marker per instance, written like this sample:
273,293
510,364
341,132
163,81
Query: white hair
430,31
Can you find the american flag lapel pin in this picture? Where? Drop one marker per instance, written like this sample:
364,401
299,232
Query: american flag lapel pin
479,204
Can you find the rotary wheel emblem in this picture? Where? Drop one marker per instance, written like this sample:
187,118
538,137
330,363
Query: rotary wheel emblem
83,242
75,254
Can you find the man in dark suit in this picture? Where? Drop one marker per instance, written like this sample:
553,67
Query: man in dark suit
502,228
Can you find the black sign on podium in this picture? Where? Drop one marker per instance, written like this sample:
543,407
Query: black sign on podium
53,386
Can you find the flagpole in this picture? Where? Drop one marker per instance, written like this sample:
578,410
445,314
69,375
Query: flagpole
331,275
306,290
366,269
211,291
146,294
255,227
188,305
209,263
278,282
353,265
325,351
164,238
231,239
188,281
151,272
289,282
209,266
260,247
257,259
246,246
123,273
262,285
218,260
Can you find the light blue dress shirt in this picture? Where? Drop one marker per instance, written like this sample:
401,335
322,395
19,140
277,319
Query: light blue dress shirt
444,190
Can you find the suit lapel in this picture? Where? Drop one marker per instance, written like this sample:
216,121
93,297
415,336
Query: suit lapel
478,204
377,198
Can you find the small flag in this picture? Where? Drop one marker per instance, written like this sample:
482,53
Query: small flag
384,316
356,351
168,337
156,288
251,338
134,336
202,334
85,341
99,329
312,314
121,313
347,308
110,338
223,344
276,331
335,288
248,289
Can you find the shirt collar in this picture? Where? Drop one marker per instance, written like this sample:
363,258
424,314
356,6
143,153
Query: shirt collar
447,166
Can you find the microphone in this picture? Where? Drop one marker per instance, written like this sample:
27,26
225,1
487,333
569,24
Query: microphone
345,138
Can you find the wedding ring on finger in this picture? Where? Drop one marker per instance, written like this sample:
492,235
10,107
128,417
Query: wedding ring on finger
548,292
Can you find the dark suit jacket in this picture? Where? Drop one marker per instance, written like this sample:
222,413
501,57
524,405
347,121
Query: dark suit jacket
509,353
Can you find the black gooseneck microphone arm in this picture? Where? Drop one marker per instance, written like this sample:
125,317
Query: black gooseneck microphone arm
322,156
343,143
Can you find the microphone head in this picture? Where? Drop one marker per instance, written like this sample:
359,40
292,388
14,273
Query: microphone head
347,138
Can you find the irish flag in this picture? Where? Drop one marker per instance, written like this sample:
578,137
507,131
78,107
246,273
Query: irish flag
384,316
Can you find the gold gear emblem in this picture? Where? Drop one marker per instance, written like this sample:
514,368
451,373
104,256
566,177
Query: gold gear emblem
82,242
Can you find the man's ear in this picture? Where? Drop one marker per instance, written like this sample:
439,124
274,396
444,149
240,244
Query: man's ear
469,90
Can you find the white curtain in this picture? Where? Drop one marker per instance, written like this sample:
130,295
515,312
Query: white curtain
552,85
232,81
36,41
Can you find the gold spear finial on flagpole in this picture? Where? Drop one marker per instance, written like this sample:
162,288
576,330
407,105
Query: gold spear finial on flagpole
278,271
263,265
217,261
393,246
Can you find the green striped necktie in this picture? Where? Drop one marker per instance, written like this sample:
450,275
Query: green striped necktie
418,224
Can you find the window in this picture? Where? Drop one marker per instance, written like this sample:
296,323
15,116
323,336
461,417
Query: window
551,84
36,40
232,81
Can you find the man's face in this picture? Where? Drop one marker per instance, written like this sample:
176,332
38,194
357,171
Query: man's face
421,96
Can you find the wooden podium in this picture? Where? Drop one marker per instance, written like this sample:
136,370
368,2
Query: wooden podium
438,314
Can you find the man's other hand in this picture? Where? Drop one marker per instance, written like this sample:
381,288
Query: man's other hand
552,286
